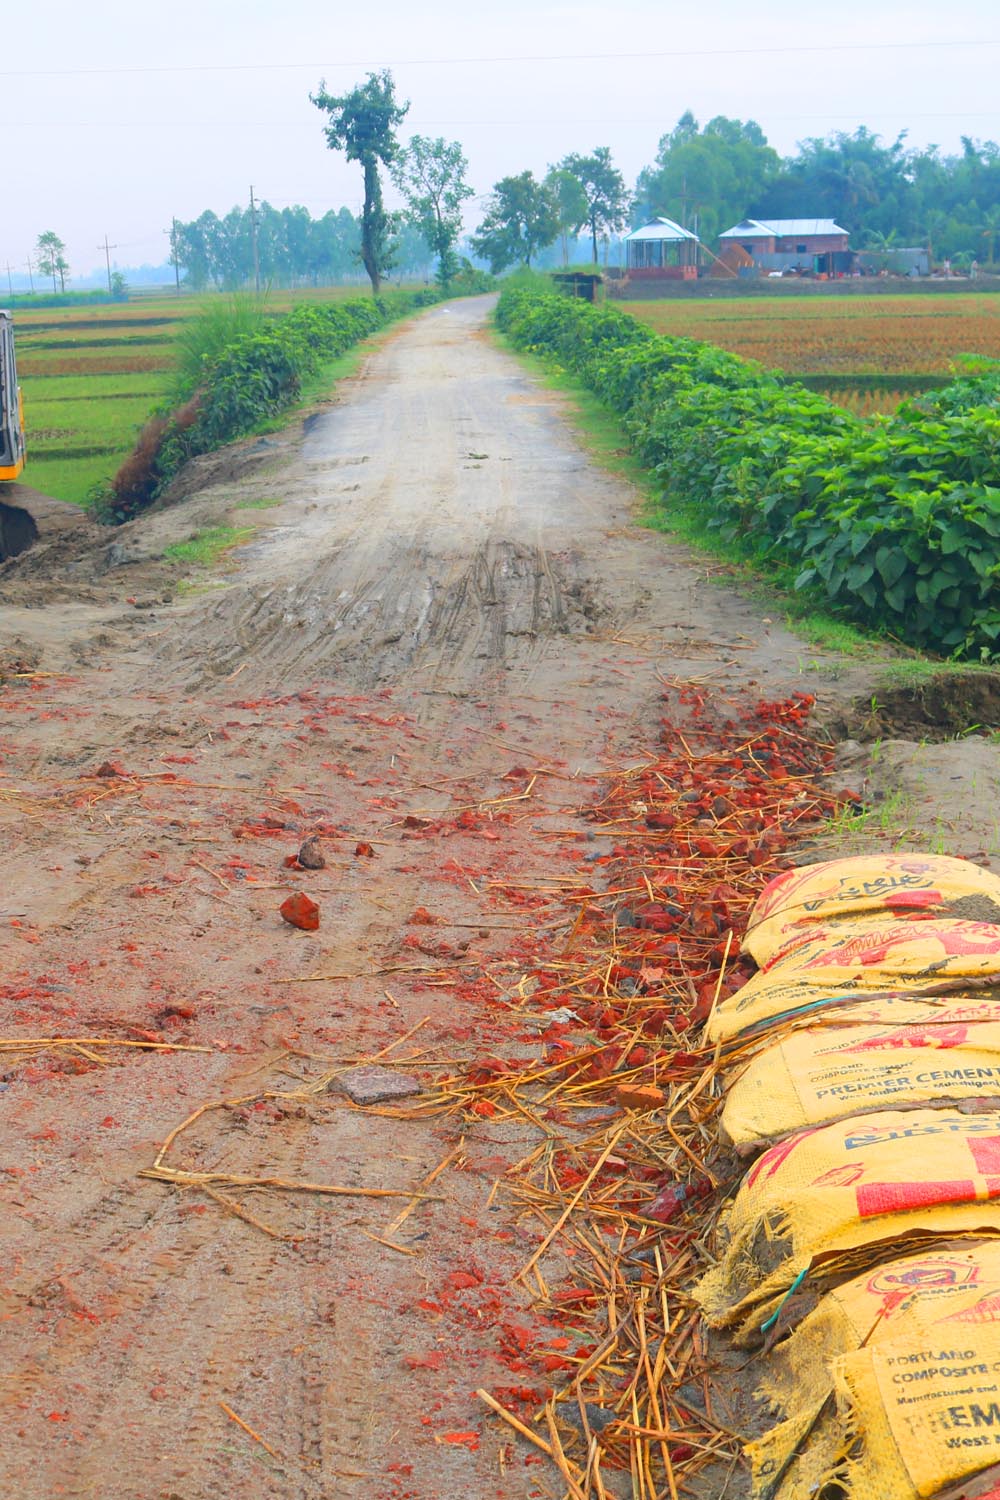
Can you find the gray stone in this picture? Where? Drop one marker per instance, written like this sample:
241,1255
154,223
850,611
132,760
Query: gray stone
311,855
375,1085
121,555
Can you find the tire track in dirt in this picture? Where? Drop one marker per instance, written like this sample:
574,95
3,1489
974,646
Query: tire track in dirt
405,610
142,1253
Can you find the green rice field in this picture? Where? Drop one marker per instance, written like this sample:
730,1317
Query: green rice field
91,376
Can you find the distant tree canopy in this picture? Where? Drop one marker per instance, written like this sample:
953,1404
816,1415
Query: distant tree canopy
430,174
605,200
571,205
882,194
522,217
874,191
885,195
705,179
51,258
294,249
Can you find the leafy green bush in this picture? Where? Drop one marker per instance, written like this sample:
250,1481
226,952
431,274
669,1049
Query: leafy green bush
895,520
467,281
202,340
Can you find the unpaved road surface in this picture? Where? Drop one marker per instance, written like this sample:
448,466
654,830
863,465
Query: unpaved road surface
447,607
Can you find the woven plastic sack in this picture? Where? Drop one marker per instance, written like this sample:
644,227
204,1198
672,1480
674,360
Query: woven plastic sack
796,1459
916,957
810,1443
924,1405
829,1072
830,1202
870,887
899,1009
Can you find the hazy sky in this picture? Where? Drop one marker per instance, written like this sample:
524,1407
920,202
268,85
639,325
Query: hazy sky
114,122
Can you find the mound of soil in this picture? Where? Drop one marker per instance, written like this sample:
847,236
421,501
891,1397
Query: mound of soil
938,708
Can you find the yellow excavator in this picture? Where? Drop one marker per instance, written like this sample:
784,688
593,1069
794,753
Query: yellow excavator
25,515
18,528
11,411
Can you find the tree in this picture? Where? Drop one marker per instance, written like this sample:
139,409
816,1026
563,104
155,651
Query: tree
707,179
200,250
431,177
851,178
935,229
51,253
604,190
571,204
521,218
362,124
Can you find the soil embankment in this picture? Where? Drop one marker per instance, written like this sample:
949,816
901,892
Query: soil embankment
447,602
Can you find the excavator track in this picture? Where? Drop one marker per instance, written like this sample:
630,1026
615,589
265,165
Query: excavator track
26,516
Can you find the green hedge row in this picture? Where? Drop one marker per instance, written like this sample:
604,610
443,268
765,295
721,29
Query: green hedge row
257,376
896,520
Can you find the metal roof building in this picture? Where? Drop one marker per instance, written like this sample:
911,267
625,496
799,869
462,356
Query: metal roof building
661,248
660,229
782,229
801,247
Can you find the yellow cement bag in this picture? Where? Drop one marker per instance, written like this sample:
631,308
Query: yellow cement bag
924,1406
809,1444
869,1308
900,1009
871,887
852,959
832,1201
796,1459
826,1073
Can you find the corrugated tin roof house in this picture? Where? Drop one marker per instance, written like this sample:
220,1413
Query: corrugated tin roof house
818,245
661,249
787,229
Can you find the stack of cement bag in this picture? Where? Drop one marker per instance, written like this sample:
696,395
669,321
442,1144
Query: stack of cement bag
862,1249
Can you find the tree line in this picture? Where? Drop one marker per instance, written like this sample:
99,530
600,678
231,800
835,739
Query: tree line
292,248
883,195
705,177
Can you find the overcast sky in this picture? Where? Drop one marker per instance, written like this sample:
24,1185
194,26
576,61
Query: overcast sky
115,122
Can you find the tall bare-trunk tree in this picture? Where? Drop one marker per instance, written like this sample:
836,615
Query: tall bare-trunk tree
363,125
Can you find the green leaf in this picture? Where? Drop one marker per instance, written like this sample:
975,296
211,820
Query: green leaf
891,564
953,539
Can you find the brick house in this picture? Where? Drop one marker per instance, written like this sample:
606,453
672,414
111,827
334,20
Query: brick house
819,246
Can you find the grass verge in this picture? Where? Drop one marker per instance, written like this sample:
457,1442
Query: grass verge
205,548
92,374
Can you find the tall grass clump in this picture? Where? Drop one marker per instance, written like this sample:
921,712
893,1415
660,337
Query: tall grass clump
202,340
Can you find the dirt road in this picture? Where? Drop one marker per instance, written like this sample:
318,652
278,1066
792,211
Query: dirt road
447,607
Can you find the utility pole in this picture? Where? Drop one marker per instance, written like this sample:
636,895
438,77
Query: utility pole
10,284
31,278
253,235
107,257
